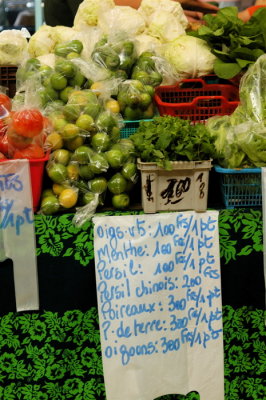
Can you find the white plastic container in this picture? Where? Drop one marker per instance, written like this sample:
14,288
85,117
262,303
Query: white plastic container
185,187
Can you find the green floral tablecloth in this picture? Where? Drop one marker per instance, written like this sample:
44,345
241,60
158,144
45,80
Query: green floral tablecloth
54,354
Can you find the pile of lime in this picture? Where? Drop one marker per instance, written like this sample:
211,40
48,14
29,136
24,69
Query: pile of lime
91,172
117,55
54,84
145,70
135,100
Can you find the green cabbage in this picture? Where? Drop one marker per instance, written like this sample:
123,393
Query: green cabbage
191,57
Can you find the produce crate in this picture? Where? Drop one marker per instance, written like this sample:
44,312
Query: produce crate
196,100
36,173
8,79
185,187
240,188
130,127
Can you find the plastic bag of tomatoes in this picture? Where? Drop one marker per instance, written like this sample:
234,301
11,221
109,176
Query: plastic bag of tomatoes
26,133
5,108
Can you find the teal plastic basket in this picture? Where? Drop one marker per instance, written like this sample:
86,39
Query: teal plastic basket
240,188
130,127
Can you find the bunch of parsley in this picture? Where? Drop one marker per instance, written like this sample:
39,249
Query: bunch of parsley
166,139
235,44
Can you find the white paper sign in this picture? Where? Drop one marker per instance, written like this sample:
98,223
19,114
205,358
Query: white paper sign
159,302
17,234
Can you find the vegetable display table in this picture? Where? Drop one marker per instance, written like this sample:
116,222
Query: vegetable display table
55,353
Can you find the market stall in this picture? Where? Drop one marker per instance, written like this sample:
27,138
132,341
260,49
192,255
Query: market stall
113,125
55,352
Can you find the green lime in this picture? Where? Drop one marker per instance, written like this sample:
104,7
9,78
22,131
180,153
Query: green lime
85,172
120,201
128,48
72,55
149,89
47,192
65,68
100,141
98,185
85,122
61,156
70,131
117,183
75,46
73,171
132,114
59,123
155,78
145,100
58,81
88,197
92,109
64,94
129,171
49,205
82,154
57,172
77,80
73,144
98,163
115,158
71,112
61,50
105,121
32,64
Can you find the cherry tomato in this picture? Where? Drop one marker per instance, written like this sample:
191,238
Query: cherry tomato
28,122
18,142
4,145
5,101
30,152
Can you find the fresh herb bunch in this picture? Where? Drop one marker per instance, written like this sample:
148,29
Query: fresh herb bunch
235,44
166,139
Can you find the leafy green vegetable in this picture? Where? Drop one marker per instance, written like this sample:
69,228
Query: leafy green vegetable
235,43
167,138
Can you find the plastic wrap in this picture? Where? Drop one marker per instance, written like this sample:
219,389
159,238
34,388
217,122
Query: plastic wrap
241,137
146,70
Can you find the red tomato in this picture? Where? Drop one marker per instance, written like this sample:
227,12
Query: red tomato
4,145
5,101
18,142
31,152
3,127
2,156
28,122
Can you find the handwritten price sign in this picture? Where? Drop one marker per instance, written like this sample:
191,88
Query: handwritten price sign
159,300
17,234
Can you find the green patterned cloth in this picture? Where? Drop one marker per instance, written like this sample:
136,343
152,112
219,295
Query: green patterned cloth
55,354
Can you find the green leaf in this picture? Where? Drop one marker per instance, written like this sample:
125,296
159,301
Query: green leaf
226,70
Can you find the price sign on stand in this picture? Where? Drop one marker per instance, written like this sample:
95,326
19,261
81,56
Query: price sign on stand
17,234
159,302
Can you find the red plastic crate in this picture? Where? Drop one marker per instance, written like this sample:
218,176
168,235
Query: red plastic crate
196,100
